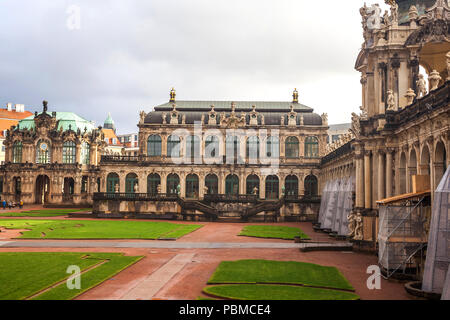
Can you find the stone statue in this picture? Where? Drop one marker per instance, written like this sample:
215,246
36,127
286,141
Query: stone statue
282,121
351,224
45,104
390,101
283,191
387,21
178,190
158,189
255,191
136,188
164,118
434,79
142,116
116,188
421,86
183,119
205,190
356,126
394,12
262,120
358,227
364,114
325,119
364,15
202,120
374,19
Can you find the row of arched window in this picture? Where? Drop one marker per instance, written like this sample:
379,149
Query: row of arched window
212,144
43,152
232,183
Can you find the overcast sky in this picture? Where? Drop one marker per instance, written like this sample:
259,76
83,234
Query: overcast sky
126,55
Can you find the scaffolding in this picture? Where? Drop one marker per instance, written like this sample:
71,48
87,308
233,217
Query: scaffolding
402,232
323,203
344,207
438,252
331,206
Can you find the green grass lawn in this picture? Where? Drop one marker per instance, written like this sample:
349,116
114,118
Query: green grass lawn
277,292
273,232
279,272
43,213
23,275
86,229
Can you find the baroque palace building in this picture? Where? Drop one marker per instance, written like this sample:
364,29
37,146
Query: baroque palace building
397,150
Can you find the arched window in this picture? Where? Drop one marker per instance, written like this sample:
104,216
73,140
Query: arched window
131,183
311,186
154,146
192,186
212,183
232,185
232,149
69,152
292,148
17,152
311,147
252,183
173,180
192,148
272,187
253,148
273,147
173,147
43,152
153,181
85,153
111,181
291,186
211,147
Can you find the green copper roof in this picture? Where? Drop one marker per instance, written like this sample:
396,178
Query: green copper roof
109,120
65,119
404,5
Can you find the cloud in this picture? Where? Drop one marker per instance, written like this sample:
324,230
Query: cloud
128,54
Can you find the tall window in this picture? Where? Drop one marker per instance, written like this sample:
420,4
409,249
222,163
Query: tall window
273,147
192,186
211,147
154,146
111,181
253,148
131,183
292,148
84,184
311,147
253,184
311,186
17,152
291,186
69,152
173,147
272,187
153,181
212,183
232,185
232,149
173,181
85,153
42,153
192,148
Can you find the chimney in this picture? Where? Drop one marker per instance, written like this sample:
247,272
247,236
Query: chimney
9,106
20,108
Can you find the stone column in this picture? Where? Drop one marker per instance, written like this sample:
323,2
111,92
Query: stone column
164,182
262,189
367,180
381,176
201,186
359,181
389,181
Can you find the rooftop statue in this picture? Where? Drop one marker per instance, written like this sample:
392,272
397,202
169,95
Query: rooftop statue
421,86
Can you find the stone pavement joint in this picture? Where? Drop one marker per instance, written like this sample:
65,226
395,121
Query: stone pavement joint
148,288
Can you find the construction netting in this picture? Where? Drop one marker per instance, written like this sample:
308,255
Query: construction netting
446,291
336,205
438,252
401,235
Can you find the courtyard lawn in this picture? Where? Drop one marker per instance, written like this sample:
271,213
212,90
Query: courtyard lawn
273,232
277,292
86,229
43,276
279,272
43,213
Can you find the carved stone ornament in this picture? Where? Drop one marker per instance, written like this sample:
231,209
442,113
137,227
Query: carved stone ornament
390,101
356,126
421,86
434,79
410,96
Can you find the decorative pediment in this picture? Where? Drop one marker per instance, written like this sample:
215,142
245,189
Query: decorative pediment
174,115
233,121
292,118
212,116
254,117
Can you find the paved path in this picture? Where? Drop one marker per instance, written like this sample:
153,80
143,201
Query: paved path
148,288
166,245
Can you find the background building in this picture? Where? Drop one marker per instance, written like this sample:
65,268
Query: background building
337,131
130,143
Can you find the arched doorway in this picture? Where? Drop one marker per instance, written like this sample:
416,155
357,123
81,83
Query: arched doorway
42,189
291,186
232,185
153,181
252,183
440,163
212,184
402,174
311,186
425,162
272,187
173,181
68,189
131,183
412,168
112,181
192,186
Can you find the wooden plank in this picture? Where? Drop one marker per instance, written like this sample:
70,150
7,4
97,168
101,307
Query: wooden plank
404,197
420,183
408,239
